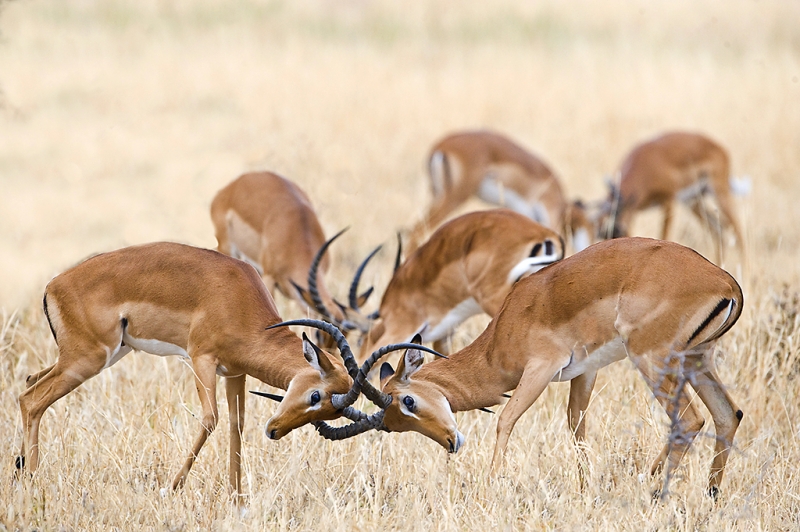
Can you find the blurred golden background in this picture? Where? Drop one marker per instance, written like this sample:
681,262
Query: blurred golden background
119,121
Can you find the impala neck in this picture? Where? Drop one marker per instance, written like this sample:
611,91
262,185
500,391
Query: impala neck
277,357
469,378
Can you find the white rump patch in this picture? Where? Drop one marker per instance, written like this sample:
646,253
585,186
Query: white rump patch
580,239
530,265
459,313
601,357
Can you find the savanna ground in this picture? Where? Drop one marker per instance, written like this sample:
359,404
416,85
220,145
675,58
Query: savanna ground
120,120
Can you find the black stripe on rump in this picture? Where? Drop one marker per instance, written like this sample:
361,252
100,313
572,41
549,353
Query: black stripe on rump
47,315
714,313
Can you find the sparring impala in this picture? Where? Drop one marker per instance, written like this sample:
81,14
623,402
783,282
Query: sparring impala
203,306
674,167
493,168
657,303
267,221
468,266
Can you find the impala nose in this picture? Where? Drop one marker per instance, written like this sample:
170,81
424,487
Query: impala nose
272,434
456,445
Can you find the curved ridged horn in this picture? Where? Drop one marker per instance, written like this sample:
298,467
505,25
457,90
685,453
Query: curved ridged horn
353,296
360,380
399,257
345,352
272,396
375,421
313,290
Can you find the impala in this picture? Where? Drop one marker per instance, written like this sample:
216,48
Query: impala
468,266
674,167
657,303
493,168
269,222
210,309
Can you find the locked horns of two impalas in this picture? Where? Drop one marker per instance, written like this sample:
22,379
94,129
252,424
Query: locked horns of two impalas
657,303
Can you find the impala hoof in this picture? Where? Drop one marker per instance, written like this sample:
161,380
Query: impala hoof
20,462
713,492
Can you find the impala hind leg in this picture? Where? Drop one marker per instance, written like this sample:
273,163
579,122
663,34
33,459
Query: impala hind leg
668,386
726,416
32,379
580,392
205,370
535,378
44,389
234,390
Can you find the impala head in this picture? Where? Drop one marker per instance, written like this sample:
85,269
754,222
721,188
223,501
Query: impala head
418,405
310,394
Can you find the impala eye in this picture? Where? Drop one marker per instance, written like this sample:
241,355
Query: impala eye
315,398
409,402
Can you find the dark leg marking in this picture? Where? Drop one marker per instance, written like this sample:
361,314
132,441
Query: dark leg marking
739,415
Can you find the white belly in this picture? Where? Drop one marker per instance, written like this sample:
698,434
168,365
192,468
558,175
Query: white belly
154,347
601,357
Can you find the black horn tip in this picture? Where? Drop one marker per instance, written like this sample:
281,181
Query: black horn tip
272,396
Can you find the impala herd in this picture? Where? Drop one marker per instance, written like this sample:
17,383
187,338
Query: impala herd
657,303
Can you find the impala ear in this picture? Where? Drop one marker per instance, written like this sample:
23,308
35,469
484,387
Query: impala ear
303,293
387,372
316,357
410,364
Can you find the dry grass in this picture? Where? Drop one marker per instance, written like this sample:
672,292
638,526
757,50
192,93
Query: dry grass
120,120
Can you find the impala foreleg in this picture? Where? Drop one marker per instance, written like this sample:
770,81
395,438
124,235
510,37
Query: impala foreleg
535,378
580,392
726,416
205,371
234,390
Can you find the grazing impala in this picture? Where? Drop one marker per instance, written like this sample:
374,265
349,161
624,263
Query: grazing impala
468,266
268,221
493,168
678,166
172,299
659,304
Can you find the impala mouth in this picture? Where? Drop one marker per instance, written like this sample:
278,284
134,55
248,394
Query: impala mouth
455,446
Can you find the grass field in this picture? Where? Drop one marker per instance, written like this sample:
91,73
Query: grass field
120,120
